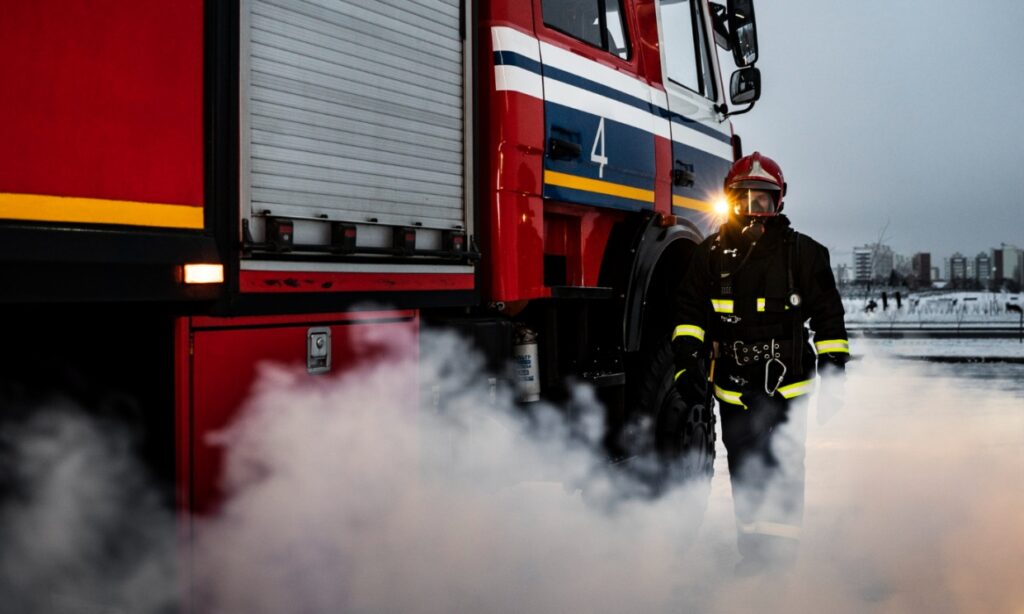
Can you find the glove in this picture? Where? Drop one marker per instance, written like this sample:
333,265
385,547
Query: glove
687,386
688,372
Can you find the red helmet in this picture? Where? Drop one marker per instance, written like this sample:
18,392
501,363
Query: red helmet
753,178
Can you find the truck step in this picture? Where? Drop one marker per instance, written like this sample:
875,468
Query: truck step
581,292
602,379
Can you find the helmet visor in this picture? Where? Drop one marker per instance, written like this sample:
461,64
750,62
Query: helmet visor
753,202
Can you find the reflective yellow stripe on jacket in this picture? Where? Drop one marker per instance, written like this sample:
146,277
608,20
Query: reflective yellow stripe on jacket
832,346
773,529
760,304
728,396
688,330
722,305
796,389
788,392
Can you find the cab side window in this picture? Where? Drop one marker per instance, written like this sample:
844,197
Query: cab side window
598,23
687,58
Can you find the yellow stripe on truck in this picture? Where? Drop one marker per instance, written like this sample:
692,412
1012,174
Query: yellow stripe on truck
692,203
599,186
42,208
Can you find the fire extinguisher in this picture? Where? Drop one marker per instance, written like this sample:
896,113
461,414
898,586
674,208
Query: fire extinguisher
524,353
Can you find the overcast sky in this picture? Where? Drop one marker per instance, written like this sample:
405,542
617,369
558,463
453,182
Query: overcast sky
906,112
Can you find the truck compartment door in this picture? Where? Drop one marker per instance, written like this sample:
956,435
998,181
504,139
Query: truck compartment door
222,364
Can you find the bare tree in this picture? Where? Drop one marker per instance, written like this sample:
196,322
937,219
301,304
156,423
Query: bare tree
875,249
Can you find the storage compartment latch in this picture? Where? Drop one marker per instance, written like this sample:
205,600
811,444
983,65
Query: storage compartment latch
318,345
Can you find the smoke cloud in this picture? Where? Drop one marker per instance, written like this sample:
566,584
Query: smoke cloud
81,528
345,495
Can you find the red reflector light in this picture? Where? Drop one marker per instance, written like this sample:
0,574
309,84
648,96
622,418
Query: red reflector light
343,237
404,240
453,240
280,234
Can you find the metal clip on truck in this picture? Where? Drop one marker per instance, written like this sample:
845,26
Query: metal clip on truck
190,188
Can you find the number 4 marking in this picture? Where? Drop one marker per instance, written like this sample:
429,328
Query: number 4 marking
600,158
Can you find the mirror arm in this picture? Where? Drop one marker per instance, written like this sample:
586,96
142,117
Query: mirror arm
740,112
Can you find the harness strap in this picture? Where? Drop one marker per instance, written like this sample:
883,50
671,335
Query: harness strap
793,244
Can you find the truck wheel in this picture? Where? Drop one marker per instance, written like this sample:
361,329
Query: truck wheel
676,430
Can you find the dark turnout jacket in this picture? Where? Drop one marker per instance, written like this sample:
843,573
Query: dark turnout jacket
749,301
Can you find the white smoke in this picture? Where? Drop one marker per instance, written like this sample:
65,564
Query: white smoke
81,530
344,495
347,497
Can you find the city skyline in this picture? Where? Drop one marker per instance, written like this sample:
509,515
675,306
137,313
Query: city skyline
900,120
994,268
845,253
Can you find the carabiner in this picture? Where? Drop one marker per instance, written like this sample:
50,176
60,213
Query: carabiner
767,368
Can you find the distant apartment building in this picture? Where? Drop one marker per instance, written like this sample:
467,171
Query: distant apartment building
902,265
983,269
1008,266
936,274
862,263
872,262
921,267
956,269
884,262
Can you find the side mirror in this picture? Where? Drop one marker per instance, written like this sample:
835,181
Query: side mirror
745,85
743,32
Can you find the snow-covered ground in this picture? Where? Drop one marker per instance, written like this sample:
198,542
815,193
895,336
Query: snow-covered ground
946,308
988,349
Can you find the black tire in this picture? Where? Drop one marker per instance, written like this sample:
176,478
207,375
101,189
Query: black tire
670,434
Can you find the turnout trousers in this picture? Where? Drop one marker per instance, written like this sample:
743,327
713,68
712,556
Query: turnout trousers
766,448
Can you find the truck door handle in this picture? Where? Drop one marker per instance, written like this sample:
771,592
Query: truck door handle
560,149
683,174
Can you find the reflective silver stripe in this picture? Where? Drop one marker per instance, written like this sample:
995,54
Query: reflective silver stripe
722,305
728,396
840,346
773,529
688,330
796,389
760,304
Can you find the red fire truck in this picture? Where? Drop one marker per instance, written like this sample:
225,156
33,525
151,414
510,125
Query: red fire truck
190,188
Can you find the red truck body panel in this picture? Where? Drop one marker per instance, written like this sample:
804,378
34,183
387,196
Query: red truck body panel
224,365
103,112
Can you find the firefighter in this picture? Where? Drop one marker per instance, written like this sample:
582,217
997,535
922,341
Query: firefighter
749,292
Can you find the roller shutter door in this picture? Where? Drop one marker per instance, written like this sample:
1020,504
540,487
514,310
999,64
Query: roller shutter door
353,111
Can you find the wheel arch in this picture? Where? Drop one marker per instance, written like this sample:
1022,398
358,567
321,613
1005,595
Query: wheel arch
662,254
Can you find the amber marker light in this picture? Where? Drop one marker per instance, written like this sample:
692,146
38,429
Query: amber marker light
204,273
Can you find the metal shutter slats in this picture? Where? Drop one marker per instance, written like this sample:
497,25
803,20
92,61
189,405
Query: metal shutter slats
355,110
